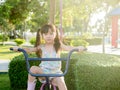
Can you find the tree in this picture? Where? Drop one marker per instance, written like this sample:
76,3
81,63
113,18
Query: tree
24,14
4,19
38,14
19,11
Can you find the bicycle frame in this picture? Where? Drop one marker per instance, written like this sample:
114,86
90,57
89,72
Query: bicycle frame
46,59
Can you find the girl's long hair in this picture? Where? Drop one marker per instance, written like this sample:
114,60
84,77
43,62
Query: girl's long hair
37,43
43,30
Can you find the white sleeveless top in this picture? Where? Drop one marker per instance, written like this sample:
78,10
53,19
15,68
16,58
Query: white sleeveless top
50,66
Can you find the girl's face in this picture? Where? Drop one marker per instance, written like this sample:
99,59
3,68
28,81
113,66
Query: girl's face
49,36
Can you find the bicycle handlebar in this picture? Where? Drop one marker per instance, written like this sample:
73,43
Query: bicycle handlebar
46,59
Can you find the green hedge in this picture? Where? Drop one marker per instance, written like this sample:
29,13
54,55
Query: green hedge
19,41
18,73
87,71
97,72
32,41
94,41
82,40
93,71
79,43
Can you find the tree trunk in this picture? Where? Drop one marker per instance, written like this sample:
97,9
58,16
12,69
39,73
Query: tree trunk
52,11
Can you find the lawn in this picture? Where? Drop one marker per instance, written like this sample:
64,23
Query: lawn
6,54
4,82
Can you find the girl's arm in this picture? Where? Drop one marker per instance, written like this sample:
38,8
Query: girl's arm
28,50
68,48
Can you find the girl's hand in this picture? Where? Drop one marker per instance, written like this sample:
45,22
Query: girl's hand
81,48
15,48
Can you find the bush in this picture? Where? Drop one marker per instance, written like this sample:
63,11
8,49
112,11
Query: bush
6,38
67,41
86,35
79,43
94,41
32,41
93,71
18,74
19,41
97,72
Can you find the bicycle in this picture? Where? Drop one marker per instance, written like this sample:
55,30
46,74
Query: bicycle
47,85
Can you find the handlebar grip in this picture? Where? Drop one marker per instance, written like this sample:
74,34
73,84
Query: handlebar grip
11,48
19,49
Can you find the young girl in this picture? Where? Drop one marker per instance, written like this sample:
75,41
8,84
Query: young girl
50,49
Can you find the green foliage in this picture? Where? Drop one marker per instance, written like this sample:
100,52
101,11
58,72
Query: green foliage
40,14
19,11
93,71
18,72
94,41
19,41
3,37
4,14
32,41
79,43
4,82
86,35
67,41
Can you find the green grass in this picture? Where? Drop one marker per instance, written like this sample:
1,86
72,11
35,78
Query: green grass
4,82
5,52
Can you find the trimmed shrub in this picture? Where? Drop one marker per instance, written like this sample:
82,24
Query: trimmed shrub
94,41
18,74
19,41
86,35
79,43
93,71
32,41
97,72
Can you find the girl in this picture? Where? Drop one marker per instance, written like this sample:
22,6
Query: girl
50,49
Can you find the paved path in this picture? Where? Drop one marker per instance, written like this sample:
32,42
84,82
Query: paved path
4,65
108,49
97,48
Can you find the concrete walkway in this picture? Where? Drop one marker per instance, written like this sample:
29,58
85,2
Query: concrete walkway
4,65
108,49
97,49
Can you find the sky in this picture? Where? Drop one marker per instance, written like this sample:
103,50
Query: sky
96,17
